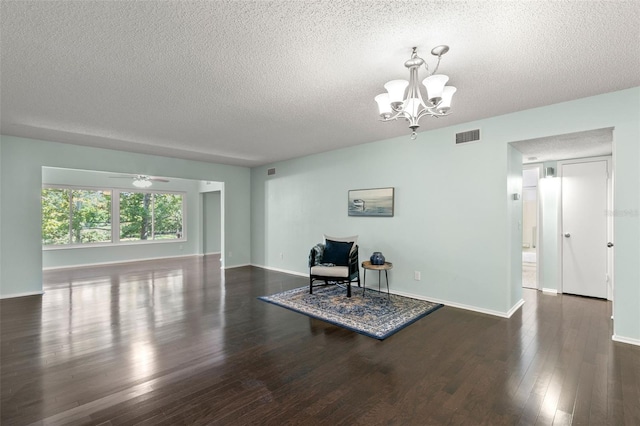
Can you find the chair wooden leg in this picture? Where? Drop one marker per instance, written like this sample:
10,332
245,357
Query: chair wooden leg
349,289
310,285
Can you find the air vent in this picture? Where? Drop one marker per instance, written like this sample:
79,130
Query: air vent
466,137
271,172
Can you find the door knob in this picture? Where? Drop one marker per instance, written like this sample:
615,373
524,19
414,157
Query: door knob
567,235
609,245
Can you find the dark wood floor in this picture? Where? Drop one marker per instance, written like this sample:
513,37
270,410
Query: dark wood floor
180,342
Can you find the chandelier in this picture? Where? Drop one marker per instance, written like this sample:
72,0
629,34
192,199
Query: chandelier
404,100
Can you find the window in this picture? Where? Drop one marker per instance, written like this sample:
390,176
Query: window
75,216
150,216
80,216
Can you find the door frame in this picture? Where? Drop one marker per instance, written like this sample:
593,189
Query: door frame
213,186
609,218
540,167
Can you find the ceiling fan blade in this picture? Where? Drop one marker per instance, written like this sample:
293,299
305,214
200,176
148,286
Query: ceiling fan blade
157,179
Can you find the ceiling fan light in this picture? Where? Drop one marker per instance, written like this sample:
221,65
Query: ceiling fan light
396,90
141,183
447,96
384,105
435,85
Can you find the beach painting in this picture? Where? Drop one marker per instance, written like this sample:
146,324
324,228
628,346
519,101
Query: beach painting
371,202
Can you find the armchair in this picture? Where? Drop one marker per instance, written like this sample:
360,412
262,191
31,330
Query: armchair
334,262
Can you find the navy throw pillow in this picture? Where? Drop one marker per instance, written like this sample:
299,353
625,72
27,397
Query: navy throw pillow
337,252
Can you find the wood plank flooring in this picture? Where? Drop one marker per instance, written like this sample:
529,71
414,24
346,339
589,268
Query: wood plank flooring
180,342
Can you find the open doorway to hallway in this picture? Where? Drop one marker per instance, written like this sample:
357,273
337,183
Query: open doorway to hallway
530,226
548,154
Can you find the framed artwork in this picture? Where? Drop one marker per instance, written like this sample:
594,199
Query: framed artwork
371,202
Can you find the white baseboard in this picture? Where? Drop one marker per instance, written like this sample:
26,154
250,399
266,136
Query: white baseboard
549,290
514,308
30,293
53,268
213,252
463,306
627,340
419,297
284,271
236,266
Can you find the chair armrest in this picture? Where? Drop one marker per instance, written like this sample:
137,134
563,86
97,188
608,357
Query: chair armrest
354,264
353,255
315,255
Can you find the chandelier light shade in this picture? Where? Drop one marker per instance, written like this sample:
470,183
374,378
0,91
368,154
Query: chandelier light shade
142,182
404,98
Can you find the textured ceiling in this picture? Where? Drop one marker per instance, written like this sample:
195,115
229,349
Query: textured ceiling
591,143
252,82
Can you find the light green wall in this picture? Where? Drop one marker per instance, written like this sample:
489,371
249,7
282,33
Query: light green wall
451,221
445,195
21,179
54,258
1,235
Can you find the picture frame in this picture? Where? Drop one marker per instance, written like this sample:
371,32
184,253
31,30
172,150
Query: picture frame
377,202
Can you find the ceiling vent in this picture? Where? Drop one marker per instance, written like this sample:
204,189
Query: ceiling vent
469,136
271,172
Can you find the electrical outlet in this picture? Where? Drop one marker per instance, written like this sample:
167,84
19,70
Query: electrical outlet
416,275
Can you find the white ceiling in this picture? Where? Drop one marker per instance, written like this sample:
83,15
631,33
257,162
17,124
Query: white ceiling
252,82
590,143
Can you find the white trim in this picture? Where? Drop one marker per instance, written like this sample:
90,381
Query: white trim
236,266
514,308
507,314
110,244
82,265
213,252
549,290
627,340
462,306
539,255
285,271
31,293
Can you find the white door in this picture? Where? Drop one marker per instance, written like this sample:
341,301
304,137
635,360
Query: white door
584,228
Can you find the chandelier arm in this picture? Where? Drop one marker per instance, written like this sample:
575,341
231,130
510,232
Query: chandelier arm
402,113
433,113
435,70
430,112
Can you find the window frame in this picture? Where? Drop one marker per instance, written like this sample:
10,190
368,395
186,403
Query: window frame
115,217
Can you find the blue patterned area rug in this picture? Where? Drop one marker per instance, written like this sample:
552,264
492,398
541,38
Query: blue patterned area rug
373,315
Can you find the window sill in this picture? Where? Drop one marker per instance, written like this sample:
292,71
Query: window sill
113,245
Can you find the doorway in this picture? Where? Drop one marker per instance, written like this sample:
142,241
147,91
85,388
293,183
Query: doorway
212,214
530,225
211,223
548,153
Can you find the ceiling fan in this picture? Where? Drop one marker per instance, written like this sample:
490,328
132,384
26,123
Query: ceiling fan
142,181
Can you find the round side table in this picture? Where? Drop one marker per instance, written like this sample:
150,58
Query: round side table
368,265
